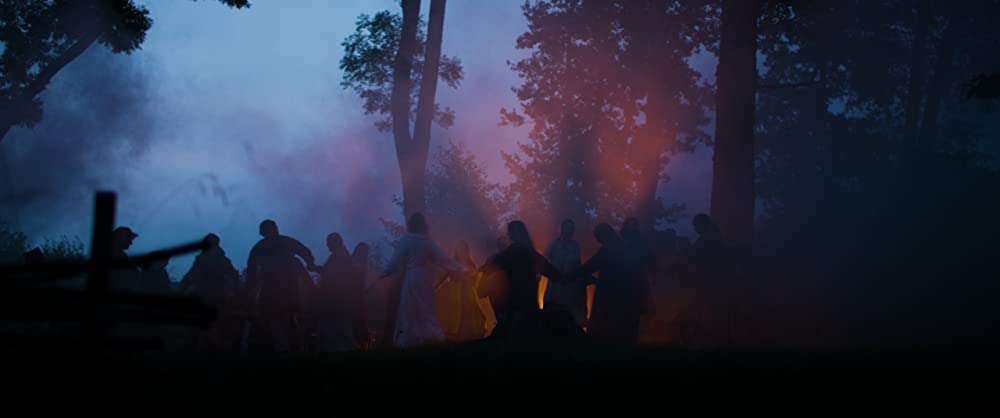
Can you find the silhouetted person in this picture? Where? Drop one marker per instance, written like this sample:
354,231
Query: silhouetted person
709,247
154,278
393,287
35,256
121,240
710,270
522,267
644,259
213,278
615,315
416,256
338,301
360,259
274,270
493,282
564,253
704,265
123,279
491,287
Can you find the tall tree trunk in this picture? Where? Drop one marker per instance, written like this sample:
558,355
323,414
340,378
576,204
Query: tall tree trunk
4,128
426,107
938,85
654,138
400,111
653,144
733,160
918,71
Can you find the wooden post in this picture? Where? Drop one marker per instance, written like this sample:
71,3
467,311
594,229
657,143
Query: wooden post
100,263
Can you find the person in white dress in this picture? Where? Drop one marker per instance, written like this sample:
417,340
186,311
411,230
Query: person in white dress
571,295
418,258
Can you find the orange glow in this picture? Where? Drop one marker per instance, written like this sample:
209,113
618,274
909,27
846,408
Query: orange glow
542,285
590,298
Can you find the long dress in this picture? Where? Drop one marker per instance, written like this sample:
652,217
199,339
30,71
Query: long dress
615,315
416,321
514,292
459,309
472,325
341,296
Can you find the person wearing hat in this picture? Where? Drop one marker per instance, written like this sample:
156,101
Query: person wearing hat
121,240
123,278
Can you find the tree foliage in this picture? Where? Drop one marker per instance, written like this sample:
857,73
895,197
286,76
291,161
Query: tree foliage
367,64
41,37
63,249
13,245
610,95
874,176
463,199
462,202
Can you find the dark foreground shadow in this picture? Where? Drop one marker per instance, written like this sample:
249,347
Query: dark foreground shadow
557,377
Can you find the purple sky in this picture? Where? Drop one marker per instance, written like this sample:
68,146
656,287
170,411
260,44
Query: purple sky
228,117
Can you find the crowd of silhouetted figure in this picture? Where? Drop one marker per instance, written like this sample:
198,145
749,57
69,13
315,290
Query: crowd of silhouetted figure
285,302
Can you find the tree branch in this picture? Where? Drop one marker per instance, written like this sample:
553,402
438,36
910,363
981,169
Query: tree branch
45,76
38,85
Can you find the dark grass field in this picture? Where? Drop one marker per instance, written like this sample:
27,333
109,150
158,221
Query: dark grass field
481,378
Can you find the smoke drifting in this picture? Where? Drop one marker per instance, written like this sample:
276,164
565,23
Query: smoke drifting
225,118
97,123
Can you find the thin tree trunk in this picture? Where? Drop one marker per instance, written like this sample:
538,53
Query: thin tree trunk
918,71
651,148
425,109
732,199
938,85
413,166
4,128
400,110
655,139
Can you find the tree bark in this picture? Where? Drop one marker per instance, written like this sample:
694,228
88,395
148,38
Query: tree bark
732,201
425,108
400,111
653,144
918,71
4,128
938,85
655,139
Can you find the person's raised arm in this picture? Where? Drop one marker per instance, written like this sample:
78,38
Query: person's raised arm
443,260
547,269
593,265
492,265
303,252
395,263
